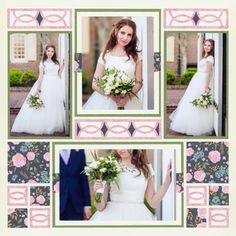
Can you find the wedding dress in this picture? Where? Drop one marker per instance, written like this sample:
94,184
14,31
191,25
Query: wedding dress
51,117
126,199
187,118
100,102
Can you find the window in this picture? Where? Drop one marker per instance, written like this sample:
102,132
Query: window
18,48
22,48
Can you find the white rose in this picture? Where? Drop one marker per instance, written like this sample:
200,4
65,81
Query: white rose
103,170
94,165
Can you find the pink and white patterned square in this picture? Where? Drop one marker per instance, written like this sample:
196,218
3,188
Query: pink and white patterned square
218,217
17,195
118,129
196,18
39,18
39,218
196,195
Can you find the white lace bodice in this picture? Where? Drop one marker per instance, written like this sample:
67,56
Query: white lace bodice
131,186
120,63
202,64
50,68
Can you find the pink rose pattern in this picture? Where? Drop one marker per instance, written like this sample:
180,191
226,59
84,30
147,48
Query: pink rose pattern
18,218
218,196
56,183
40,195
207,162
196,218
28,162
18,160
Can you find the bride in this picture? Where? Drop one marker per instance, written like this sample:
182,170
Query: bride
51,117
120,53
134,183
187,118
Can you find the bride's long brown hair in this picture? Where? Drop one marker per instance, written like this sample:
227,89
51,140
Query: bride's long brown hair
54,57
211,53
139,160
130,49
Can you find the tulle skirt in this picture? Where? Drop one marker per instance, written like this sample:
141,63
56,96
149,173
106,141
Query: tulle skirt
48,119
123,211
100,102
189,119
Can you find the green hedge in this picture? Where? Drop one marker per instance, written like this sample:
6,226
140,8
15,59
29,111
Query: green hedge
86,84
22,79
188,75
170,77
184,78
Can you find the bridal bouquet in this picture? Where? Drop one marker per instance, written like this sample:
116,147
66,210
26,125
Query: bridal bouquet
106,169
116,83
35,102
204,101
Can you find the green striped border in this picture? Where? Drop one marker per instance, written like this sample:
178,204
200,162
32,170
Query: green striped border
110,225
158,11
70,87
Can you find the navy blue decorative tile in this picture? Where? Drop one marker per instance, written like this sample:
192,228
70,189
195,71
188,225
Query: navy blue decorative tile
40,195
207,162
218,195
17,218
157,61
28,162
196,217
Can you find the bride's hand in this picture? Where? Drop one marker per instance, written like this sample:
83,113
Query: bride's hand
207,90
121,102
37,93
97,185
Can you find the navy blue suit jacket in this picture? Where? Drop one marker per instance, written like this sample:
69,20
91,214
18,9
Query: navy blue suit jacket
73,183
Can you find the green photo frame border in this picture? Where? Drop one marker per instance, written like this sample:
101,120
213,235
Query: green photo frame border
70,85
77,115
227,88
110,225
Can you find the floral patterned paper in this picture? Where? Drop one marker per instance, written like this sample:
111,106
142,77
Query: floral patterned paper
207,162
40,195
17,218
218,195
196,217
56,183
28,162
179,182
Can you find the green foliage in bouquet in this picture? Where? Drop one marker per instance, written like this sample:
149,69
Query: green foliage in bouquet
204,101
116,82
35,102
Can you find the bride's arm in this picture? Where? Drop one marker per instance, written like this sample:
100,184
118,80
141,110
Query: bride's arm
153,198
98,75
102,205
40,79
209,73
61,67
138,85
138,77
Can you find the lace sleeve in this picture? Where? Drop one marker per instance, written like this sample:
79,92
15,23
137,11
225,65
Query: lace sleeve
210,59
101,60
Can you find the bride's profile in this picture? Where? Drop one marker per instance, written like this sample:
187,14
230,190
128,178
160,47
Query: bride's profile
135,182
49,118
120,53
188,118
